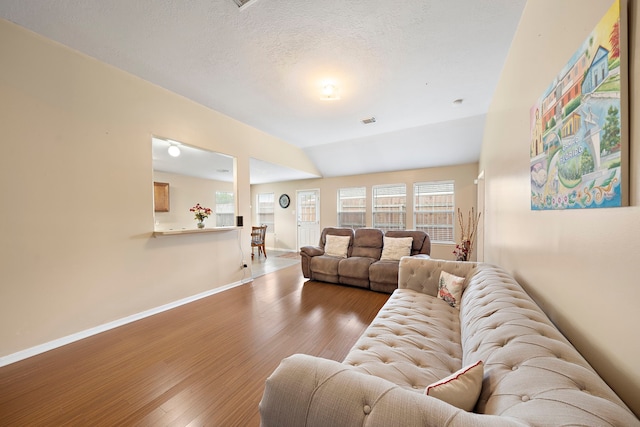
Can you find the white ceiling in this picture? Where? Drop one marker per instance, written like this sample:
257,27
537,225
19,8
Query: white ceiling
264,64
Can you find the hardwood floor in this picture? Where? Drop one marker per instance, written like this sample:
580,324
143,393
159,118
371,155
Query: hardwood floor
201,364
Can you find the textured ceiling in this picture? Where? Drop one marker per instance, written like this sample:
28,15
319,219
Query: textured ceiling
265,63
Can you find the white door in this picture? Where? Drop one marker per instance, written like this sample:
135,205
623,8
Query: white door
308,212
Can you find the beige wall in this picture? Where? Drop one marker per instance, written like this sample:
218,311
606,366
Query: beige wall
184,192
285,226
582,266
75,183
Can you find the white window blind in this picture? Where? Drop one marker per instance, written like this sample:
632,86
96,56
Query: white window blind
352,207
264,210
225,209
390,207
434,209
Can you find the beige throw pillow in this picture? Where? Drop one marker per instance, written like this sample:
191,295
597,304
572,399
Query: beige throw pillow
336,246
395,248
450,289
460,389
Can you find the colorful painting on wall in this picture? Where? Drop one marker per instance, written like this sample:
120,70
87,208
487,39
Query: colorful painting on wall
578,126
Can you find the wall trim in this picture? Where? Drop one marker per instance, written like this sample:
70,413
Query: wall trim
41,348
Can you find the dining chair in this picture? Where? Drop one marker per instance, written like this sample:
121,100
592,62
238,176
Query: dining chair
257,240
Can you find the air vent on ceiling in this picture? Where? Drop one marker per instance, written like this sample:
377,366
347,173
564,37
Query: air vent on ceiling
241,3
369,120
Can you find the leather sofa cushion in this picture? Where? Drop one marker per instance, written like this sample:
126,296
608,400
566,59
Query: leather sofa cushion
367,242
325,264
355,267
384,272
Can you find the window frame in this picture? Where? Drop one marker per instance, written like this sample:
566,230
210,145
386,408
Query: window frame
447,209
340,207
227,218
270,211
375,207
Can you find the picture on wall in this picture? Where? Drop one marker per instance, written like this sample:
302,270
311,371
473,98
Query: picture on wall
579,139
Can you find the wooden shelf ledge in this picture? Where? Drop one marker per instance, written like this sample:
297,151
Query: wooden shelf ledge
193,231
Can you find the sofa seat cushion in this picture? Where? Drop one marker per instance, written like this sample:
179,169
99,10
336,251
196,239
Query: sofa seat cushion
325,268
383,276
414,341
355,266
354,271
384,272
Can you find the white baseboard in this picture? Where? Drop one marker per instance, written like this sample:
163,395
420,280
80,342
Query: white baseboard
33,351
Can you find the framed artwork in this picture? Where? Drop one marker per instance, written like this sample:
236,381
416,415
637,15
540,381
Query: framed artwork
161,196
579,127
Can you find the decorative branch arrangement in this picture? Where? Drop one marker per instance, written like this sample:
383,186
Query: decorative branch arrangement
465,247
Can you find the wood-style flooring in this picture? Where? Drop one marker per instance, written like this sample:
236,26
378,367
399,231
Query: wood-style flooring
201,364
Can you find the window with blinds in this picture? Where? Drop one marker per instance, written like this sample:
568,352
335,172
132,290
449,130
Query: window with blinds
352,207
434,209
225,209
390,207
264,210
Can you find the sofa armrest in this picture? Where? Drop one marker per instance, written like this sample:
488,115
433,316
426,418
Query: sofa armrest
306,253
311,250
314,392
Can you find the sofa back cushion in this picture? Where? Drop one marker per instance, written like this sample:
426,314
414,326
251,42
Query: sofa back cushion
367,242
421,241
532,373
423,275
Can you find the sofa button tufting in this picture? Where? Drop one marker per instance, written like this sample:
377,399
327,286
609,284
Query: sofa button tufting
525,398
367,409
515,368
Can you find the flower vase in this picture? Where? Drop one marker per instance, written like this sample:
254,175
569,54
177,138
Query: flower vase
463,250
201,224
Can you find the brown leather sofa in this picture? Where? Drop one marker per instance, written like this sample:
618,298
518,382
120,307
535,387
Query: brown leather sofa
362,266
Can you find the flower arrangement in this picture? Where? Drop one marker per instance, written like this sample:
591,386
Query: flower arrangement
201,213
463,249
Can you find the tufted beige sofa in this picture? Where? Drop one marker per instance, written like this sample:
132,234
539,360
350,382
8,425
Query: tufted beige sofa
532,377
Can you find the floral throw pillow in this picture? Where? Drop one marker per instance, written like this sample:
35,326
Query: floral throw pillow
450,289
460,389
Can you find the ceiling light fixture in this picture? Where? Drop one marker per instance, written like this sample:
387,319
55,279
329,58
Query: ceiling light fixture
174,150
329,92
